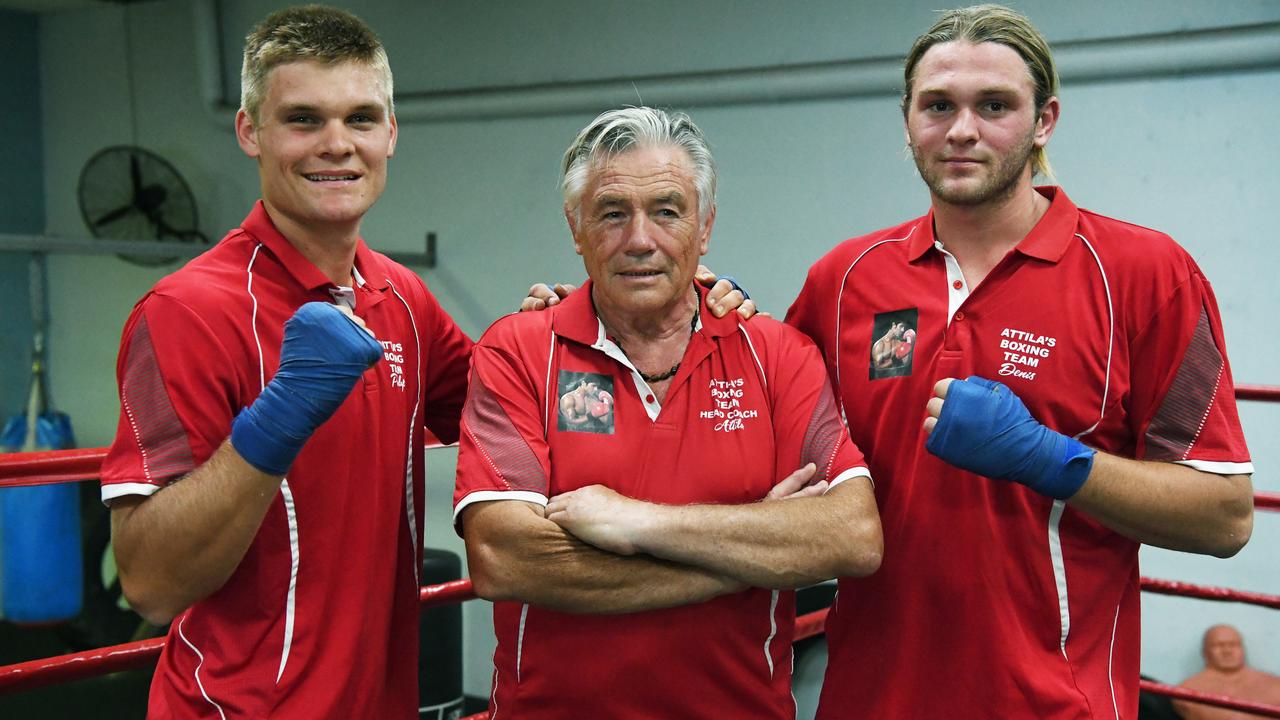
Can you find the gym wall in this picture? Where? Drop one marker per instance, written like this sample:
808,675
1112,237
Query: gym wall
22,207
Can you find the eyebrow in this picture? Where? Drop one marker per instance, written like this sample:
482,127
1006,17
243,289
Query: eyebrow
989,90
306,107
674,197
608,200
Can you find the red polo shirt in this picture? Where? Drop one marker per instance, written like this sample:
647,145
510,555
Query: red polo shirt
320,618
992,598
749,405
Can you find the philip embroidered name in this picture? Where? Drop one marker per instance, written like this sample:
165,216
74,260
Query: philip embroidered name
393,352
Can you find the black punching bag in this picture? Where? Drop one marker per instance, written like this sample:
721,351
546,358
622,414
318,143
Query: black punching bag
440,643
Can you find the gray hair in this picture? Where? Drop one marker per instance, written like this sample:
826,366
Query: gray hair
618,131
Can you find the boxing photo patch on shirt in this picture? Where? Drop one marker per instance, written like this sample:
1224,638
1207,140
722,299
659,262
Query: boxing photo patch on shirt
893,343
584,402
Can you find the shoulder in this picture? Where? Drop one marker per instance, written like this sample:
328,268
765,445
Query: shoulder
514,331
1127,248
214,279
222,269
773,333
777,345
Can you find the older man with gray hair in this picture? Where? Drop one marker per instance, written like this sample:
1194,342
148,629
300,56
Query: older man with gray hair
635,572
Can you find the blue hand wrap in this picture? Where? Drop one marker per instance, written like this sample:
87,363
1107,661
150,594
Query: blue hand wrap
736,286
984,428
323,354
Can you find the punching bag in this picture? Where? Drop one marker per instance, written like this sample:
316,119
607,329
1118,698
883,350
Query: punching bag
41,575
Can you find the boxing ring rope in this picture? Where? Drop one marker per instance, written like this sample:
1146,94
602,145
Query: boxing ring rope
43,468
1266,393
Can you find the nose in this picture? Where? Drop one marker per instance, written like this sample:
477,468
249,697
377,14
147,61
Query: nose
964,128
335,139
639,237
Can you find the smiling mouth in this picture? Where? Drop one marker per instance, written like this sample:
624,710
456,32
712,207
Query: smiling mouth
330,178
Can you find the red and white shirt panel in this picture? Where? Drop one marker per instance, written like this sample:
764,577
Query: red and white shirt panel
555,405
338,553
1107,331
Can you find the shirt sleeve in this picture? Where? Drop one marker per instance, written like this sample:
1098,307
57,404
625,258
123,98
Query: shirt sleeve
1183,405
503,452
806,419
445,384
176,400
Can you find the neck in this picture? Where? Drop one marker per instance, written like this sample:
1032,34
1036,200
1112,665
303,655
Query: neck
332,249
990,229
637,328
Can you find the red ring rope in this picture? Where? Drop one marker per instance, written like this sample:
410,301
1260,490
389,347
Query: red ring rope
49,467
1205,592
1266,393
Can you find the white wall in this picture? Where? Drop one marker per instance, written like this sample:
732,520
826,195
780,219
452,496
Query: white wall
815,157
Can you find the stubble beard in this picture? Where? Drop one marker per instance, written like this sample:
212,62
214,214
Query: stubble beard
1000,184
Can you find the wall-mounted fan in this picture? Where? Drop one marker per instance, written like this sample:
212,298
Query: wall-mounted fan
128,193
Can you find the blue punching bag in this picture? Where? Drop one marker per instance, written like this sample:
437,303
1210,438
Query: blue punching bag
41,566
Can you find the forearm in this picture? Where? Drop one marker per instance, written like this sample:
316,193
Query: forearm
1169,505
515,554
778,544
181,544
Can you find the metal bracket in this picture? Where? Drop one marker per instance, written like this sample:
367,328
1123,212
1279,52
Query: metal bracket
95,246
424,259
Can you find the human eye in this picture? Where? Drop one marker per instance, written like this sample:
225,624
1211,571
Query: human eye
302,119
362,119
996,106
937,106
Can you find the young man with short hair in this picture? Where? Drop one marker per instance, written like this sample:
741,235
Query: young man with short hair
266,481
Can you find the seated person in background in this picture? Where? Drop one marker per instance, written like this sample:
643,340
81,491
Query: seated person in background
1225,673
615,452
